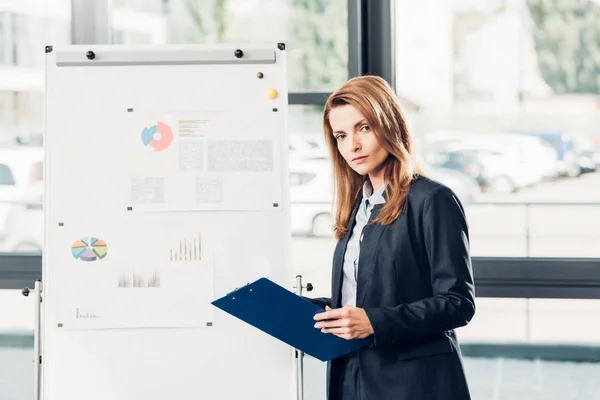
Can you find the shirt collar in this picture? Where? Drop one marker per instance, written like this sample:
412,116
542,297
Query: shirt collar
373,198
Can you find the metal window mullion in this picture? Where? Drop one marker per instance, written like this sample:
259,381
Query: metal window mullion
379,45
355,39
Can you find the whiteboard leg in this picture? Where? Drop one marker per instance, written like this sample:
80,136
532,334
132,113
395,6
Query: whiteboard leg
299,354
299,375
37,342
37,334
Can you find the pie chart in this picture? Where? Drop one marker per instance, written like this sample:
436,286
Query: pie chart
158,137
89,249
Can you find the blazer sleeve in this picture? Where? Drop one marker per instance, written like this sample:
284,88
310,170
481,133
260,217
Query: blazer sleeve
320,301
446,241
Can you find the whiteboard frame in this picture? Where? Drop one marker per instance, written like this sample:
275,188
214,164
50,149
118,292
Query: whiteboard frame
166,55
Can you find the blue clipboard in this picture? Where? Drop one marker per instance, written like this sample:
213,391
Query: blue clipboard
287,317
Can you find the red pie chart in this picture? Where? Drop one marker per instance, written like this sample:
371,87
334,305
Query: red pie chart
158,137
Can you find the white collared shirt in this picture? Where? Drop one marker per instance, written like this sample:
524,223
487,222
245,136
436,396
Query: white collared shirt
368,201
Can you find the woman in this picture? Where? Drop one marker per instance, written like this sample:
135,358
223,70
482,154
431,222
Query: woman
402,272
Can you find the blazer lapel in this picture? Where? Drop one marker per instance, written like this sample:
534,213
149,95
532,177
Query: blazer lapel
338,262
366,260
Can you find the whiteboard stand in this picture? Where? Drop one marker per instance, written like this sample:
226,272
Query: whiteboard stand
37,351
140,192
37,360
300,354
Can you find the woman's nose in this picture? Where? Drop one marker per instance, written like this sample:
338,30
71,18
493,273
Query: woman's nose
355,144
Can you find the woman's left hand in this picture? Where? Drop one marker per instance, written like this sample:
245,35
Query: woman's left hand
347,322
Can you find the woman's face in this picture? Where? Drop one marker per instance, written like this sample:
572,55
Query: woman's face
357,142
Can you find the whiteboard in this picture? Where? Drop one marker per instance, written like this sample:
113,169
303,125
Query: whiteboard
166,185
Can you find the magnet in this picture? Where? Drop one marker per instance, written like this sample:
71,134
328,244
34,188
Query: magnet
272,93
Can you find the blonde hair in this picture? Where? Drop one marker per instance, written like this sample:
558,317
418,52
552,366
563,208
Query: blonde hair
373,97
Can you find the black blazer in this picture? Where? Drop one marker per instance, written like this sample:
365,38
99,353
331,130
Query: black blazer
415,283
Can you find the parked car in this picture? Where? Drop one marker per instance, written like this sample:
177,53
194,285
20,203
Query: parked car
541,157
464,186
25,165
24,224
498,168
311,197
8,192
528,159
311,194
306,146
587,153
595,148
19,167
569,161
471,162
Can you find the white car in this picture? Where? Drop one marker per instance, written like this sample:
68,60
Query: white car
24,224
19,167
541,157
512,168
311,194
311,197
464,186
8,190
307,146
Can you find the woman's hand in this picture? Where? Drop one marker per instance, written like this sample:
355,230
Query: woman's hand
347,322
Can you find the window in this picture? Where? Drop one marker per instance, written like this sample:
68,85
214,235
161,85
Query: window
502,95
512,83
24,33
315,32
25,30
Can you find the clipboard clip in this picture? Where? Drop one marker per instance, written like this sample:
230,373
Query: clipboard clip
233,291
236,289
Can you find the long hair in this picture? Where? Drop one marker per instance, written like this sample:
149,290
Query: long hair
376,101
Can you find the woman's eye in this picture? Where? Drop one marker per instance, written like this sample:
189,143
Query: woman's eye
365,128
340,137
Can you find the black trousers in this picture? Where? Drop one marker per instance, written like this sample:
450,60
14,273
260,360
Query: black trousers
346,382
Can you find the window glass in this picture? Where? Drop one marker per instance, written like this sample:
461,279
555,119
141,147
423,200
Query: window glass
315,32
26,28
503,99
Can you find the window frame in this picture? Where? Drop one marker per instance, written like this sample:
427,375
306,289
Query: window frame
371,50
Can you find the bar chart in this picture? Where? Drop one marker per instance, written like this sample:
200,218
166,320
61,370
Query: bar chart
138,280
154,281
189,249
84,315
